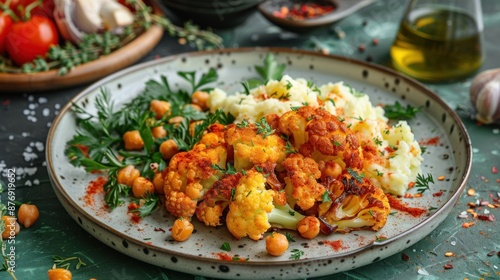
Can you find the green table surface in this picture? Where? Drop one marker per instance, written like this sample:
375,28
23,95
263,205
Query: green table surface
25,119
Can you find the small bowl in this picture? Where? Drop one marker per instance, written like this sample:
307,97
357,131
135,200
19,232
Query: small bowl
213,13
342,8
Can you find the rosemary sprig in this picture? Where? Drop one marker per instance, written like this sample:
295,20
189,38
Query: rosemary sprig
422,183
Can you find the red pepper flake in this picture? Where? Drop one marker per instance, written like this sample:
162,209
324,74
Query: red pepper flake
498,253
398,205
6,102
437,194
303,11
159,229
411,185
489,218
467,225
448,266
134,217
362,48
375,41
334,244
429,142
405,257
96,186
494,170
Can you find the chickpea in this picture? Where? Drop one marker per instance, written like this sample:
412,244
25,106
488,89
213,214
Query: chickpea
182,229
200,98
309,227
133,140
127,175
176,120
59,274
12,227
168,149
276,244
192,127
27,214
160,108
196,107
158,183
141,187
158,132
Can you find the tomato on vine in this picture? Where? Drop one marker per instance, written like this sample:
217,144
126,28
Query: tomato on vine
5,26
32,38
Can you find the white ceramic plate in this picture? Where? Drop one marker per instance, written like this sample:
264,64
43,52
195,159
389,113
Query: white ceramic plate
201,254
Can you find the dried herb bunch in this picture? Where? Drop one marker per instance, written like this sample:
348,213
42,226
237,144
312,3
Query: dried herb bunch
65,56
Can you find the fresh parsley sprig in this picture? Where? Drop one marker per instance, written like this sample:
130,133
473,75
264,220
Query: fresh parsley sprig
146,205
398,112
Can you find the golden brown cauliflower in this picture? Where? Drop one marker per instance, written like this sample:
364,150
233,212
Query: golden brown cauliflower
318,134
301,178
254,144
190,174
355,204
252,212
210,209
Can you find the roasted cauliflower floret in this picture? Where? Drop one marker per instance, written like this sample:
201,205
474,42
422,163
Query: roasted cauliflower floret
211,209
318,134
254,144
301,178
248,211
355,204
190,174
252,212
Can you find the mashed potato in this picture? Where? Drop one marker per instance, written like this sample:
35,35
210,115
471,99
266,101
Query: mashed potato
392,155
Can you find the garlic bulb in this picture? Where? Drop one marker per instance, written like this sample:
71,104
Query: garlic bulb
485,96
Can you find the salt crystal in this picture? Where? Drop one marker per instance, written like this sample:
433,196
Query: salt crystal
57,106
486,211
453,243
422,271
32,106
46,112
36,182
28,183
29,149
496,130
42,100
11,137
26,112
25,134
39,146
29,156
463,215
31,98
49,124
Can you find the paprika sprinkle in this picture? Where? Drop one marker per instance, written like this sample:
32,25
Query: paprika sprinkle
303,11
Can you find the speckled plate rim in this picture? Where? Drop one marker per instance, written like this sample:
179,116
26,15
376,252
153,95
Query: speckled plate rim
402,240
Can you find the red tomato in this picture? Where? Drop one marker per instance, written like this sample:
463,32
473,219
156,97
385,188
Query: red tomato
5,26
30,39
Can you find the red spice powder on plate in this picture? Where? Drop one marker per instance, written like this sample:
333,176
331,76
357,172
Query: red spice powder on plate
95,187
434,141
334,244
398,205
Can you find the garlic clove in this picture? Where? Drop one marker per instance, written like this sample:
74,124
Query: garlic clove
485,96
86,15
114,15
63,12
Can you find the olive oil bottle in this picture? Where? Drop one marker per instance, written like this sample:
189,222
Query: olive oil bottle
436,44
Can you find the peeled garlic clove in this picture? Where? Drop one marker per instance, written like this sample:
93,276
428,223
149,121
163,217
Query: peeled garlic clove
485,96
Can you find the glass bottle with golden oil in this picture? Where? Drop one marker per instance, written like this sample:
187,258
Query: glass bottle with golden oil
439,40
